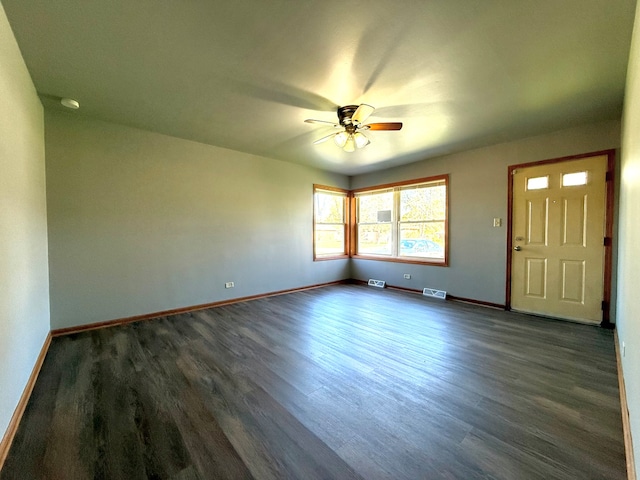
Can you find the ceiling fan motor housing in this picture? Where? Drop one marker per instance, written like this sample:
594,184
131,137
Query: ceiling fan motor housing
345,113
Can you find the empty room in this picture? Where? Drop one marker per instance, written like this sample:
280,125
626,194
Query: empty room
319,239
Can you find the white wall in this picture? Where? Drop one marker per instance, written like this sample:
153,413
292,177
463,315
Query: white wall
24,285
478,193
141,222
628,322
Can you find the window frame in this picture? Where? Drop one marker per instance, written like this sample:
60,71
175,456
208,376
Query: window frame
346,222
395,224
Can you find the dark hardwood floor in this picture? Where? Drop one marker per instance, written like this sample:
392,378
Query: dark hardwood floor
338,382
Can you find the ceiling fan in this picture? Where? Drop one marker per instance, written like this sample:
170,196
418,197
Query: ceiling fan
351,118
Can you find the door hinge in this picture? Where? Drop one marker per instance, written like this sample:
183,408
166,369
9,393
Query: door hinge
607,241
605,306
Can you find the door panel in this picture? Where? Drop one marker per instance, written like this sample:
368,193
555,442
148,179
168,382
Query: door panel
536,277
573,222
573,281
558,229
537,221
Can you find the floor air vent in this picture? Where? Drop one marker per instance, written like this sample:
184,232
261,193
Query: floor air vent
376,283
432,292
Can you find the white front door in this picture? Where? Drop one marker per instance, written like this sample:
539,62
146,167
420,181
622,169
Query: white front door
558,231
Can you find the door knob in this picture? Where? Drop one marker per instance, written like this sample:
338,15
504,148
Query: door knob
517,248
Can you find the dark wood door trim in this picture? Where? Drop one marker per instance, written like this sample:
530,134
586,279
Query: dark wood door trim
609,213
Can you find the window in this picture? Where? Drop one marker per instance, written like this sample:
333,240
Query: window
537,183
374,222
574,179
403,222
329,222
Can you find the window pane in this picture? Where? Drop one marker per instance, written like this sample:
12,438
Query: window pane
370,205
537,183
329,208
573,179
329,228
374,239
424,239
329,239
423,203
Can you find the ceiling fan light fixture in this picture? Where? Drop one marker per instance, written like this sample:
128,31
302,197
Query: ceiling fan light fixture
350,144
360,140
341,138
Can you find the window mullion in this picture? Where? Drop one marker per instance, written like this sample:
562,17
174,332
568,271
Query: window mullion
396,222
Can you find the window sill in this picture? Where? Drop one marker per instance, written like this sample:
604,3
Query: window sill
413,260
329,257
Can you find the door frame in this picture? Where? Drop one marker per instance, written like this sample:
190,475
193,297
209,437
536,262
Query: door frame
608,238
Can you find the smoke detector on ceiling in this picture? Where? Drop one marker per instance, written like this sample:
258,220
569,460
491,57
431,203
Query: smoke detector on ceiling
70,103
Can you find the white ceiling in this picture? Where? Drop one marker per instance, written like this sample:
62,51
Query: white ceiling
245,74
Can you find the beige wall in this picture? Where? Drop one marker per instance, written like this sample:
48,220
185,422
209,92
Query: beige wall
478,193
24,288
629,240
141,222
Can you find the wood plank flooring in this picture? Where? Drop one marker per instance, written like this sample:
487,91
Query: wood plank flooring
339,382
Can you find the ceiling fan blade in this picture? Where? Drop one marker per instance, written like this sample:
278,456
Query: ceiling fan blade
361,113
382,126
311,120
324,139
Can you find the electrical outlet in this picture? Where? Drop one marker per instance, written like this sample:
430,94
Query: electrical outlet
624,347
229,285
407,276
